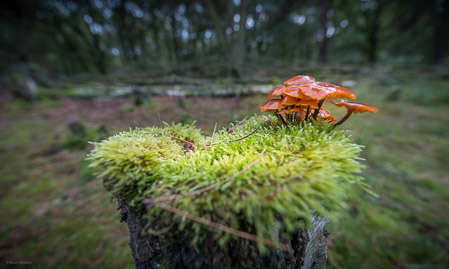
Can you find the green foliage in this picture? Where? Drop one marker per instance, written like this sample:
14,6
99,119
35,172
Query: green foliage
306,168
127,108
80,141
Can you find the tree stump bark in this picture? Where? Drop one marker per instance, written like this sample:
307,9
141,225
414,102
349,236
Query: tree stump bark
151,251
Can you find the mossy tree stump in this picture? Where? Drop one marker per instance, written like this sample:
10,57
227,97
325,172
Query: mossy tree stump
258,195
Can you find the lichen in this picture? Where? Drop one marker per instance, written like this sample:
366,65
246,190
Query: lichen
305,168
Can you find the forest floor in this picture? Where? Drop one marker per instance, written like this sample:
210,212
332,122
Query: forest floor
57,214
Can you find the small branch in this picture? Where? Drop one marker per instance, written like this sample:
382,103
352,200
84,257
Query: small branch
208,188
182,140
224,228
270,132
242,131
179,139
238,124
241,138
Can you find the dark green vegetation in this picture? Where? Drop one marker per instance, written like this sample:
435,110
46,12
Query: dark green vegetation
56,214
102,36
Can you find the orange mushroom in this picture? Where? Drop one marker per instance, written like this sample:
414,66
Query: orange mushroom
276,91
294,91
338,91
321,90
302,98
315,91
299,80
297,109
355,108
289,101
331,118
272,105
300,115
310,103
326,115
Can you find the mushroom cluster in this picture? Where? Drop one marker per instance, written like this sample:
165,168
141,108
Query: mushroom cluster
301,99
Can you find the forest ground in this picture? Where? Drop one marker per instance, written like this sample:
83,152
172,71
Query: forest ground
56,214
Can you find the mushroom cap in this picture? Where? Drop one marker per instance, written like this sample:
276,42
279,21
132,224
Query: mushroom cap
300,115
357,107
276,91
321,90
294,91
315,91
289,101
311,103
299,80
289,111
331,118
323,113
340,92
297,109
272,105
284,111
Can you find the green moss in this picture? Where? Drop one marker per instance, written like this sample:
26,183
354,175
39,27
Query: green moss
305,168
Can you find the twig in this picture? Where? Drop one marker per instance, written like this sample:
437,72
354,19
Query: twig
241,138
208,188
224,228
179,139
238,124
182,140
269,132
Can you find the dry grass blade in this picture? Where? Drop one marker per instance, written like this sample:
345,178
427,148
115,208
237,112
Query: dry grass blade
237,125
208,188
270,132
213,134
241,138
224,228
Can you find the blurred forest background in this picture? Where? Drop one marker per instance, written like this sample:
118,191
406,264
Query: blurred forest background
79,71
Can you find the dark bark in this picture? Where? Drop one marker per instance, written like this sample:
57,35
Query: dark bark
323,44
232,70
241,48
441,38
373,34
175,251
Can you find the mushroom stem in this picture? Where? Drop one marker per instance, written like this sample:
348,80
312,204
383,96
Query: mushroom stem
280,117
348,114
283,120
307,113
320,103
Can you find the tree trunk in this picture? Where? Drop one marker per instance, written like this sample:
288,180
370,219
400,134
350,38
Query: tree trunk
150,251
323,44
372,38
241,48
232,70
441,39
